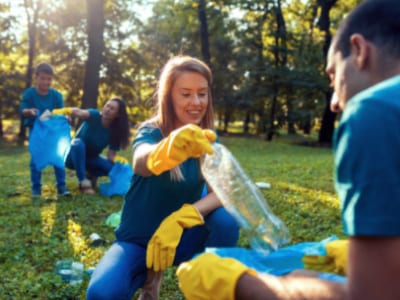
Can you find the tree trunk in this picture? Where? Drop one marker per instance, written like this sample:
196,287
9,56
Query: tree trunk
32,29
95,30
328,119
246,123
280,58
205,47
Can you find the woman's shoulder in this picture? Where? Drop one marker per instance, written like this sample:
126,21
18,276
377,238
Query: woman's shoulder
148,131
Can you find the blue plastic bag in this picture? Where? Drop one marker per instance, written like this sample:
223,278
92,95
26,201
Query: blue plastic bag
49,142
120,180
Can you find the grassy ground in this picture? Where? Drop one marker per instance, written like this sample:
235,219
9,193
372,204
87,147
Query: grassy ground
35,234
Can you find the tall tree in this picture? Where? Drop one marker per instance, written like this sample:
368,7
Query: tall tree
280,60
95,30
205,48
32,10
328,119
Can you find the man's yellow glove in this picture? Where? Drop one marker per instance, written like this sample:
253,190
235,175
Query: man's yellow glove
161,248
335,260
210,277
62,111
187,141
120,159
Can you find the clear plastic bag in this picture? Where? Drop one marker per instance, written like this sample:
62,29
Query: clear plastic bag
242,198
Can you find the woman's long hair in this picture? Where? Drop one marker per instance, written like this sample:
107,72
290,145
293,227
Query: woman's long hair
120,126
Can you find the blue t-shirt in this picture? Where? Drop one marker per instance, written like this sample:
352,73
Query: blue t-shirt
151,199
367,160
32,99
95,136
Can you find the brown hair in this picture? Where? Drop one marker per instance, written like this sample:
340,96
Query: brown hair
44,68
165,114
171,71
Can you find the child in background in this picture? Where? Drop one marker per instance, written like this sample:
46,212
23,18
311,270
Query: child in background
35,100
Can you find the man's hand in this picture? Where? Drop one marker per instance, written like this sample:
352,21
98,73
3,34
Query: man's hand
210,277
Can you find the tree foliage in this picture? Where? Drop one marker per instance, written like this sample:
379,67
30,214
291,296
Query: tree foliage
267,56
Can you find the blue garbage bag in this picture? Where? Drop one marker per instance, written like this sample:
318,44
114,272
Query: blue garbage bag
49,142
120,180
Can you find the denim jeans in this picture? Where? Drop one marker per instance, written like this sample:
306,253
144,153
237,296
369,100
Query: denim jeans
78,161
36,178
122,270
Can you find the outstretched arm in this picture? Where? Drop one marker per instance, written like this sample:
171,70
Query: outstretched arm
72,111
270,287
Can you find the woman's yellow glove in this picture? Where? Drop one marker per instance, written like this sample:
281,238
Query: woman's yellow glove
161,248
62,111
335,260
210,277
183,143
120,159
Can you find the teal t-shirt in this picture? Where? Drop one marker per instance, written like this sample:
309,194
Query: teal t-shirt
32,99
367,161
151,199
95,136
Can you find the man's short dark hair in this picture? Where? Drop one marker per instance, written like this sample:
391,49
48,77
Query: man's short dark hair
378,21
44,68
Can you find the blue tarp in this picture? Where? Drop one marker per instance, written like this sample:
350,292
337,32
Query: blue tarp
280,262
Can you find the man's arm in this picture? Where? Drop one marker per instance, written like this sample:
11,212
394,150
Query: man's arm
374,268
294,287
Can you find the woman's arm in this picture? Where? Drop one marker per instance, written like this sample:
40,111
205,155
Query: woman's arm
139,161
208,204
80,113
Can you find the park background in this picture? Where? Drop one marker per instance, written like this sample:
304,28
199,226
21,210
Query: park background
271,99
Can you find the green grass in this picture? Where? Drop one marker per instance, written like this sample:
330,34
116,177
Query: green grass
35,234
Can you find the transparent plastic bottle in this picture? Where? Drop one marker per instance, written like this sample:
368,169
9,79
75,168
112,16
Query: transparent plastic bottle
242,198
77,269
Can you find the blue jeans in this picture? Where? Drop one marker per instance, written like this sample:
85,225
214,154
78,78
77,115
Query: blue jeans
122,270
78,161
36,178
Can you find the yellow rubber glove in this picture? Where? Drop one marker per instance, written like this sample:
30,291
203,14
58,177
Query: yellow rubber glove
210,277
62,111
120,159
161,248
187,141
335,260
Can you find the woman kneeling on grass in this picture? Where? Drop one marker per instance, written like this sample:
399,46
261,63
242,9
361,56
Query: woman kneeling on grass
166,218
110,127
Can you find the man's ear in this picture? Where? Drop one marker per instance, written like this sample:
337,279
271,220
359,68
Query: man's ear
360,50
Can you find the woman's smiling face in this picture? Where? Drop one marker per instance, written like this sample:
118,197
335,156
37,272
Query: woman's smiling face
189,98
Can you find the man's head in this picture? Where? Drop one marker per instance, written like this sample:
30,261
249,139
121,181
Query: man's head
43,76
365,49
